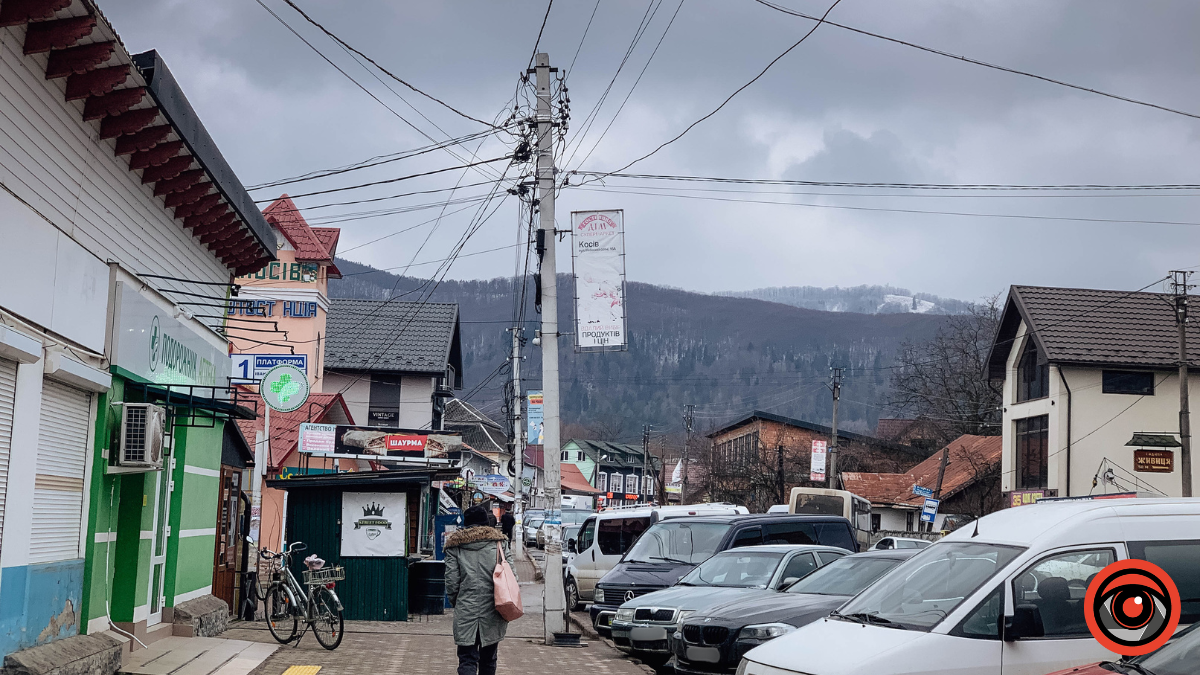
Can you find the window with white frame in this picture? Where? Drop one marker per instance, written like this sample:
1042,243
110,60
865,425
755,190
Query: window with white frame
602,482
616,483
631,484
648,485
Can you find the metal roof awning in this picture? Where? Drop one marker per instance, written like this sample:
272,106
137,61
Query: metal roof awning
359,480
1144,440
185,402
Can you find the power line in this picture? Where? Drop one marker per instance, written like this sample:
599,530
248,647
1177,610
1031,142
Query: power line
385,70
736,91
586,28
897,186
393,180
537,42
964,214
977,62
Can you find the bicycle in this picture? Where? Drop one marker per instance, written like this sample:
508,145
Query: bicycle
315,602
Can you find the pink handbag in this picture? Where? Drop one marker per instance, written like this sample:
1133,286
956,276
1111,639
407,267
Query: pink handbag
508,592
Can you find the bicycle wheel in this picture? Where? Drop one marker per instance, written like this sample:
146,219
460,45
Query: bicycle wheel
327,623
281,619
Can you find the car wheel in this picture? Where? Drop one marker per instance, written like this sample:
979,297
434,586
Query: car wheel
572,593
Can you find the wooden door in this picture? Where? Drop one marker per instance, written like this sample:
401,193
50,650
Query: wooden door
228,535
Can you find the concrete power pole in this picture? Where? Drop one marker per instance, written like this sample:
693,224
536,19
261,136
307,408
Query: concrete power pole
555,604
518,444
836,387
937,491
1179,286
689,418
645,458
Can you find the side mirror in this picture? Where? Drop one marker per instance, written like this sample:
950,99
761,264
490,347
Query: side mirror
1026,622
788,582
571,546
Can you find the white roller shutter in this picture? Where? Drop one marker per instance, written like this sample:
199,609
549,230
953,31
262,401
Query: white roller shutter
61,458
8,390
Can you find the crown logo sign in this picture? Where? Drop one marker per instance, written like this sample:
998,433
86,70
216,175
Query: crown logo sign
372,510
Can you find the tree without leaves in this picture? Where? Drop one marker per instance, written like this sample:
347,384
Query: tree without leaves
944,380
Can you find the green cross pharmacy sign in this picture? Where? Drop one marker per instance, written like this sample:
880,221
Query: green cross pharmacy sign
284,388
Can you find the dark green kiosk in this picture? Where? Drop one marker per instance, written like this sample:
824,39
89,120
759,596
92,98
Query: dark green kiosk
378,525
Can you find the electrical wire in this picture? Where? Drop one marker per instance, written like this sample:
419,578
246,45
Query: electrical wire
586,28
393,180
539,35
385,71
977,62
737,91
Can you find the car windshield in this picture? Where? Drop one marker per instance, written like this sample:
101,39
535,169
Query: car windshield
922,591
574,517
911,543
535,522
739,568
845,576
673,541
820,505
1179,657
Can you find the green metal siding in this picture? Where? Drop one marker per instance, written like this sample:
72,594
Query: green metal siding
375,589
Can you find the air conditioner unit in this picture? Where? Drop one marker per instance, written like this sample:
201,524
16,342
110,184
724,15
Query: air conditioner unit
142,426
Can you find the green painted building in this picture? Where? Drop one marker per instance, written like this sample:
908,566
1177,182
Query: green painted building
623,472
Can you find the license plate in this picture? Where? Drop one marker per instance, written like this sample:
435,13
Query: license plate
704,654
647,633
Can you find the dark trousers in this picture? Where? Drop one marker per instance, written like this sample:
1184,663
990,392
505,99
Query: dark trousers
476,660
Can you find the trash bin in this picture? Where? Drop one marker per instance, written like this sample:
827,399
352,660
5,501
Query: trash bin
427,587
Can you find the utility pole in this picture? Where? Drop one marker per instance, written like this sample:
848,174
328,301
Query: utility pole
836,387
779,477
518,444
1179,286
689,418
645,458
555,603
937,491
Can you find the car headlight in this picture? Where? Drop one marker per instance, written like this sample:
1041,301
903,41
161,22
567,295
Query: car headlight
625,614
765,631
683,614
598,596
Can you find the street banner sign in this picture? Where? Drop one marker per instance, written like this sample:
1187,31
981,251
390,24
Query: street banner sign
343,440
819,449
922,491
284,388
492,483
317,439
929,511
252,367
598,263
533,418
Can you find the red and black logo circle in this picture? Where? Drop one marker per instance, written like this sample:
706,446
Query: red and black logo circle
1132,607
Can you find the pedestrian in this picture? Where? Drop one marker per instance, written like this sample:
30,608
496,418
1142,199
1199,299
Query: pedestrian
507,523
471,558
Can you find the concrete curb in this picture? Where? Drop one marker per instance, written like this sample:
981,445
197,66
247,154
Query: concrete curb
537,570
585,627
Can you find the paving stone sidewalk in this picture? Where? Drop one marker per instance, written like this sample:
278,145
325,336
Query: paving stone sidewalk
425,645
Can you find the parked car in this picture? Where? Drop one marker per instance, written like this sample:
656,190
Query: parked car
1180,656
642,625
607,535
670,549
571,520
778,508
531,526
1002,596
888,543
714,639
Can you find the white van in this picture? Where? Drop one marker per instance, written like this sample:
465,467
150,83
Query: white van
604,538
1000,598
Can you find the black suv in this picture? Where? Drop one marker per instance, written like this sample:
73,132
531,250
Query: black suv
671,548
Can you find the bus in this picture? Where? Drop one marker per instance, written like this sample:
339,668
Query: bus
830,502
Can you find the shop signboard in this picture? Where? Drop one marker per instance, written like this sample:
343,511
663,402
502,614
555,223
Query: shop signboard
368,442
150,345
1154,461
598,262
374,525
1023,497
284,388
491,483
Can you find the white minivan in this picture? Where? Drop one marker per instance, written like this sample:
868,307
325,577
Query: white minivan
606,536
1001,596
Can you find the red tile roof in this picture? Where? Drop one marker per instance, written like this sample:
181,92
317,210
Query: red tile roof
572,480
969,457
284,215
285,427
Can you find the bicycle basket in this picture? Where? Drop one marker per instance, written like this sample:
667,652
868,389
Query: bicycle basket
325,575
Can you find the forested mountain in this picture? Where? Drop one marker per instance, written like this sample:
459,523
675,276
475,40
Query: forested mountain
860,299
726,355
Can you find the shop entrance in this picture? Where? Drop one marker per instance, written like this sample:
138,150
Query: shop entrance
161,492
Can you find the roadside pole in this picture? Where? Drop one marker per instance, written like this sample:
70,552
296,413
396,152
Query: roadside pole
689,420
836,388
1179,284
555,604
937,492
518,542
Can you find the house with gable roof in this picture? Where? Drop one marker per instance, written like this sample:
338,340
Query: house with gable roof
1091,392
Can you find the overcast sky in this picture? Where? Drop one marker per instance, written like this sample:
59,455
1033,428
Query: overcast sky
840,107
